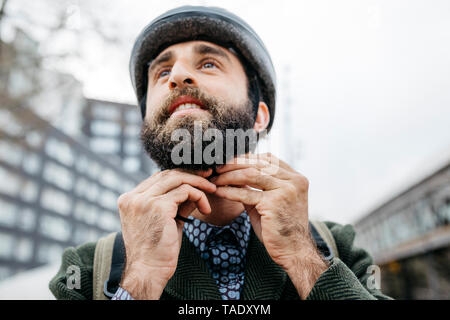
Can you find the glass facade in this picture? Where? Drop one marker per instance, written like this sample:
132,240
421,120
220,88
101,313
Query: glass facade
409,238
114,129
54,191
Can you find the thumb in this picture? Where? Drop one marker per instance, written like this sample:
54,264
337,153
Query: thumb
255,220
184,210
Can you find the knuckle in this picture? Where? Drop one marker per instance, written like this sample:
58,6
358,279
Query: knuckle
290,191
155,174
252,172
123,201
260,178
246,197
157,205
172,173
302,182
151,203
185,188
164,173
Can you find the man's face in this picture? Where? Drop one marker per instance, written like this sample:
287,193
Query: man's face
195,81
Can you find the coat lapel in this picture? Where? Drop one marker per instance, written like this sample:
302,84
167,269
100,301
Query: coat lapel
264,279
192,279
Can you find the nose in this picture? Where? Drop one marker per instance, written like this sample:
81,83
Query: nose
180,76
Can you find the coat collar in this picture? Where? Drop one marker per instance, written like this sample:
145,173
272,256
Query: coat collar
192,280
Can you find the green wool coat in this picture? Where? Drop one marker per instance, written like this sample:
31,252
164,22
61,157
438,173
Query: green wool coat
346,278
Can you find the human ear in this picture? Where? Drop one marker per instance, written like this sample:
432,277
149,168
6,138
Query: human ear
262,117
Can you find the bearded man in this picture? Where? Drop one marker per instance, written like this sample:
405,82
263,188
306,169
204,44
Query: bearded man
236,227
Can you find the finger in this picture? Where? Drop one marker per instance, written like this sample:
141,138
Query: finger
255,220
243,195
204,174
142,185
171,179
264,167
249,176
275,161
184,211
242,163
201,173
267,157
187,192
186,208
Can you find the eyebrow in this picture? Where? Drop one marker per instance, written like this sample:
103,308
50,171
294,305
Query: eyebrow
200,49
203,49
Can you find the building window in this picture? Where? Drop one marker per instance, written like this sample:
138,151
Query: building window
60,151
83,234
80,234
55,200
133,116
132,147
92,192
109,221
23,249
12,185
58,175
86,212
425,216
443,213
133,131
9,124
131,164
31,163
34,139
105,128
8,213
101,111
87,189
110,179
55,228
26,219
109,200
81,186
105,145
82,164
29,191
49,252
6,245
94,169
10,153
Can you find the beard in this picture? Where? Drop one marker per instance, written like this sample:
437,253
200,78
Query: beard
156,133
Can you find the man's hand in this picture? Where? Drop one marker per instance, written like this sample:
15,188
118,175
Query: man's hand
278,212
151,235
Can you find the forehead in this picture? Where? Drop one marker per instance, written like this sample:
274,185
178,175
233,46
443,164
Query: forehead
196,47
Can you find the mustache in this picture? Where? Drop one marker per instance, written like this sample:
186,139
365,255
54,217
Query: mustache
210,103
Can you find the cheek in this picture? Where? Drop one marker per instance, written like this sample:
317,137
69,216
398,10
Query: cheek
232,91
153,102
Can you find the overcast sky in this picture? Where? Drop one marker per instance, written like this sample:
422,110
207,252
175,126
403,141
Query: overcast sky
364,87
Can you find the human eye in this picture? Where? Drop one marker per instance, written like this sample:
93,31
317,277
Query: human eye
163,73
209,64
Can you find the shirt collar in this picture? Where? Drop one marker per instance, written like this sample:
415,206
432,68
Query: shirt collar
239,227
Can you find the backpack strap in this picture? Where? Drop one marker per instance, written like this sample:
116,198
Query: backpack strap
109,258
320,228
102,265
